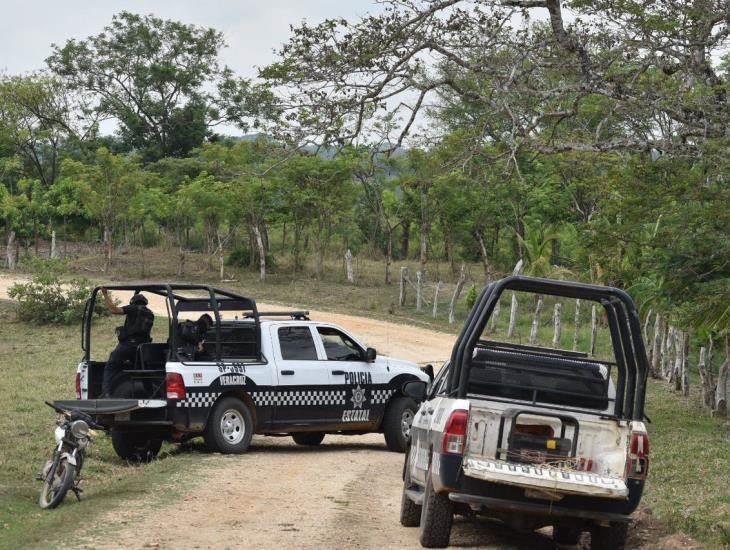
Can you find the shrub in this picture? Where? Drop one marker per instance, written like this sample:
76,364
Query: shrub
46,299
471,297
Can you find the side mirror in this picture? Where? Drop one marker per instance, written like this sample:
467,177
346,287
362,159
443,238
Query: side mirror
428,369
370,355
416,390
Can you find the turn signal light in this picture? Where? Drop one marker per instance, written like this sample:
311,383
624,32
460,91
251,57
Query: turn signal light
637,463
78,386
175,385
455,433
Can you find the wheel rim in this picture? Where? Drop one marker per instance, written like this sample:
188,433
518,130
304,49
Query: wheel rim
233,428
406,420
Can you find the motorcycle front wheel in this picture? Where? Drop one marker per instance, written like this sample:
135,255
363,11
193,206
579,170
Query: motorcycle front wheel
57,482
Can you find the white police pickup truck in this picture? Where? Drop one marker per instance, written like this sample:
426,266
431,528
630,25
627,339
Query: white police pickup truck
532,436
280,375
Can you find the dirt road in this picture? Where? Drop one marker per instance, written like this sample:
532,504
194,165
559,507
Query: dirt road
342,494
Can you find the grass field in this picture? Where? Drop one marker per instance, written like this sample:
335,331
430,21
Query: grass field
688,488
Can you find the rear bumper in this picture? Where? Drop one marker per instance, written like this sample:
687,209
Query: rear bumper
533,508
110,406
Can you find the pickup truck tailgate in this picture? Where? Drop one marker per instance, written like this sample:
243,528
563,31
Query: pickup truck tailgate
110,406
548,478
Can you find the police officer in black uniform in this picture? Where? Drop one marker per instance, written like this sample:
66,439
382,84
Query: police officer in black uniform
192,336
135,331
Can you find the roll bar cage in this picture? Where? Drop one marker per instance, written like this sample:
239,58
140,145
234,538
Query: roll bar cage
217,300
623,323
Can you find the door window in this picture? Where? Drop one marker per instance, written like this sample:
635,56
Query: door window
339,346
297,344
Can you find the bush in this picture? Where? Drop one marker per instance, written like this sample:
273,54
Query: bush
471,297
240,256
46,299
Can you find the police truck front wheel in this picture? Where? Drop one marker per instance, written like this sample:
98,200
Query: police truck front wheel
230,427
397,423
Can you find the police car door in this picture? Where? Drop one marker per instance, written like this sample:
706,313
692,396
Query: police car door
304,395
351,373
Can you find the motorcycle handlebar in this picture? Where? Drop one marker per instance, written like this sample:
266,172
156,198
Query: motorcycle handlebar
78,414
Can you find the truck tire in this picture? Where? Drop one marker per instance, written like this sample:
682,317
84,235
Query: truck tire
612,537
410,512
135,446
311,439
230,427
564,534
437,515
397,423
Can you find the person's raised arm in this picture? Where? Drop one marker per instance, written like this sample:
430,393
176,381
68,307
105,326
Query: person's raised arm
111,306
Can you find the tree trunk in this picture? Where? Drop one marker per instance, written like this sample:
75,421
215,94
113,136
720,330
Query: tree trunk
675,379
557,324
456,294
261,251
576,325
483,254
389,257
181,261
512,317
405,240
419,289
424,248
656,348
594,330
646,329
348,267
666,350
721,388
109,248
402,293
685,364
436,299
536,320
10,251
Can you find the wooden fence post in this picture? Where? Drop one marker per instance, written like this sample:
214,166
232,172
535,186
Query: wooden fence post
656,348
495,317
348,267
10,250
576,323
685,364
513,308
721,388
666,350
402,293
54,251
419,289
536,321
557,312
436,298
708,384
455,296
594,329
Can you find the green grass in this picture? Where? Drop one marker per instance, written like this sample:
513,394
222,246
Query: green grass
37,364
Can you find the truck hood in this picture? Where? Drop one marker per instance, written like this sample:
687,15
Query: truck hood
400,366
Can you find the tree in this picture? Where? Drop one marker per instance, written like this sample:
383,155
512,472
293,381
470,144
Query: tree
161,81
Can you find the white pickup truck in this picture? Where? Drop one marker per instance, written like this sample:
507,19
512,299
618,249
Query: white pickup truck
283,375
532,436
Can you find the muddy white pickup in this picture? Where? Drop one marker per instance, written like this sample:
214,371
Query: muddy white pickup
532,436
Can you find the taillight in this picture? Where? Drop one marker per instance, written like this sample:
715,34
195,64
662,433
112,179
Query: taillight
455,433
637,463
78,385
175,385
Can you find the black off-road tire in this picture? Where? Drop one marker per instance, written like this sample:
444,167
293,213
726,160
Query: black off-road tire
400,410
135,446
310,439
565,534
410,512
437,516
64,475
612,537
230,427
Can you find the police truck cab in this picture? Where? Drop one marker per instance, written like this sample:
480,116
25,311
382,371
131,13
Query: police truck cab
266,373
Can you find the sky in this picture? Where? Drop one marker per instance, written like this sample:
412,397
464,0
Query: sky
252,28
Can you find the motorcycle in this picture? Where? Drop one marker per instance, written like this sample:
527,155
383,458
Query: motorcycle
62,472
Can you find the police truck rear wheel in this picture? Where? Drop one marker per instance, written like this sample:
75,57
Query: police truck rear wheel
437,516
311,439
397,423
135,446
230,427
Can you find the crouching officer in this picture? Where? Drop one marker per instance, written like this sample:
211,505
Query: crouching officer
192,337
135,331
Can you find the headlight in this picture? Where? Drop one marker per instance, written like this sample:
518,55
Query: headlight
79,429
59,433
